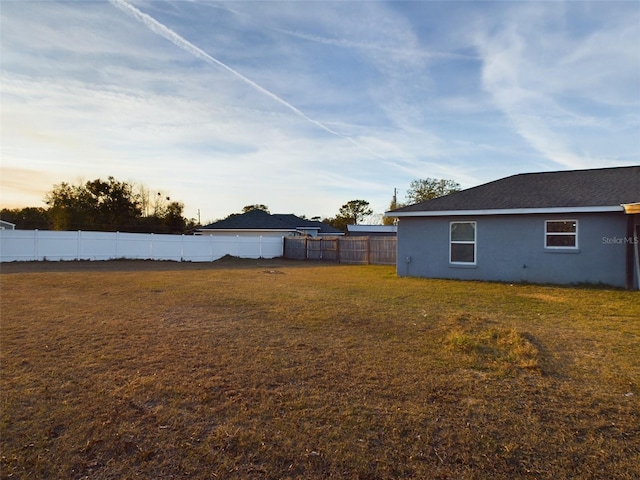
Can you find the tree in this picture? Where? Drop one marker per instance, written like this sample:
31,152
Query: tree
337,222
114,203
96,205
160,205
29,218
144,199
354,211
392,206
67,208
173,219
428,188
257,206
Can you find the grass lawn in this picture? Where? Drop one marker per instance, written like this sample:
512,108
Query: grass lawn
286,370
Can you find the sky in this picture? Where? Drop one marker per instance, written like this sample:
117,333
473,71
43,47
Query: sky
304,106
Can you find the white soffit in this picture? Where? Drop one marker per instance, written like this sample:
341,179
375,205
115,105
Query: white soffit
506,211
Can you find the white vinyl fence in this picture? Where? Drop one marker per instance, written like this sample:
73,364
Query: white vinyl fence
33,245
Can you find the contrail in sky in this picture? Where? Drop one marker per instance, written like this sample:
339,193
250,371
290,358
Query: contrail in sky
184,44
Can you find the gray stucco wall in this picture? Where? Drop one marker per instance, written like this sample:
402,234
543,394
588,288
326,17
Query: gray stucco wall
512,248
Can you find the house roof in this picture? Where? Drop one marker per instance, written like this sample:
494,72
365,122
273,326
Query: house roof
261,220
373,230
603,189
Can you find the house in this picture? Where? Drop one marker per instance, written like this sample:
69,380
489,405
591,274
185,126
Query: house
372,230
565,227
260,223
7,225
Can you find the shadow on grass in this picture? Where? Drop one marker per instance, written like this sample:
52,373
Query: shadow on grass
126,265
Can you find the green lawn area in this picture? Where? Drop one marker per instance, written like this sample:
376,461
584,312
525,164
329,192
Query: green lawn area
290,370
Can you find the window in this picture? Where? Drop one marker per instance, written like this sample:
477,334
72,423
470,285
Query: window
561,234
462,242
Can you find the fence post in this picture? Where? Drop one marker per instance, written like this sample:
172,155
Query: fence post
151,246
78,245
117,240
35,244
368,255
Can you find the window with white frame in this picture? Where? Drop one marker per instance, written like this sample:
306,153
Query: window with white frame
462,243
561,234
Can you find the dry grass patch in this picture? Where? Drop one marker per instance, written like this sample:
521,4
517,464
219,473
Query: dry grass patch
233,371
485,345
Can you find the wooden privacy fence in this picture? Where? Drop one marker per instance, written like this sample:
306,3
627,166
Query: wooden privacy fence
365,250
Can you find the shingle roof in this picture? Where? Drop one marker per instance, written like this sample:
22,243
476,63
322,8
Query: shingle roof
261,220
604,187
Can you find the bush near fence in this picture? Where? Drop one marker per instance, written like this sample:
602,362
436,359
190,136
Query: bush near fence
362,250
34,245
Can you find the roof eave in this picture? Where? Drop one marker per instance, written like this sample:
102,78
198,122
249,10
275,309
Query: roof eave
246,229
507,211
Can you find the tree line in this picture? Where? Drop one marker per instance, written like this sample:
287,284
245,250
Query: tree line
101,205
113,205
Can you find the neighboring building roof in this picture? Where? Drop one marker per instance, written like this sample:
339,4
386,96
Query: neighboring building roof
4,225
261,220
603,189
373,230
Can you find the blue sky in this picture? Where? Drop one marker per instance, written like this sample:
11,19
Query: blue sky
303,106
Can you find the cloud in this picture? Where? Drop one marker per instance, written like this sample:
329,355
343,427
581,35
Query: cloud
403,90
397,51
179,41
374,60
147,137
547,96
